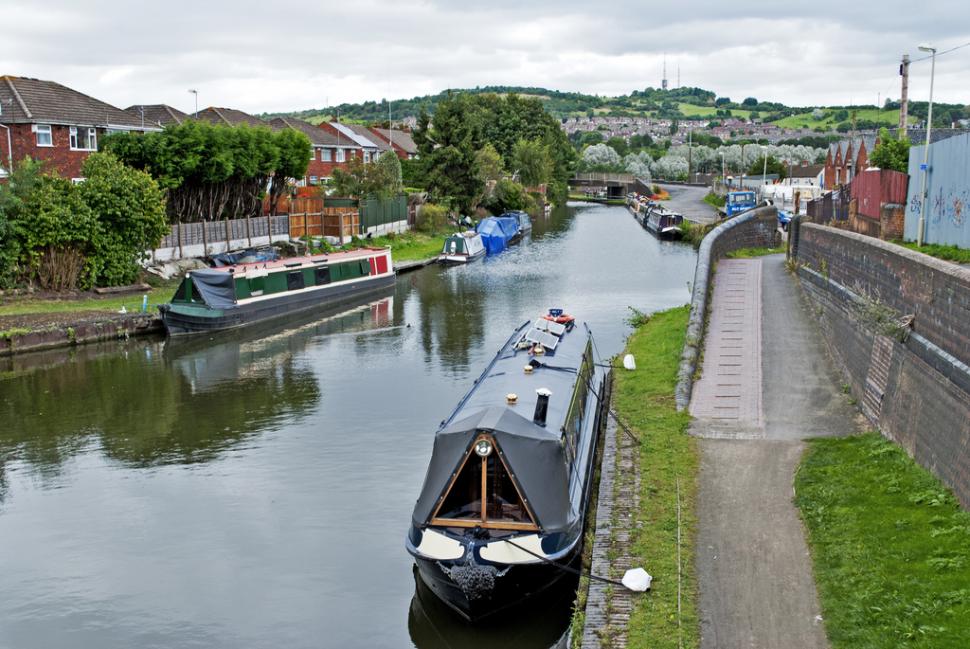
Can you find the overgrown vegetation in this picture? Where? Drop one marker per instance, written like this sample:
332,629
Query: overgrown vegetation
644,399
949,253
891,152
213,172
891,546
715,200
62,236
748,253
694,233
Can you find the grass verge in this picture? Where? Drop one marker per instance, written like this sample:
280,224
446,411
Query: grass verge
410,245
748,253
87,303
715,200
891,546
644,400
694,233
949,253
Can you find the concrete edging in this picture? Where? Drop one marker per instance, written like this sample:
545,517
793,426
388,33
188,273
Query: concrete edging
756,227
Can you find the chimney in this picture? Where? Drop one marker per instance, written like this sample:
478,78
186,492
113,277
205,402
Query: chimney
542,406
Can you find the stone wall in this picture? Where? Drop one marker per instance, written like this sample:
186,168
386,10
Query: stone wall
757,228
912,381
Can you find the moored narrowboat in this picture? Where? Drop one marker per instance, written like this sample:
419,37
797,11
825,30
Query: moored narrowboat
505,497
214,299
662,222
462,248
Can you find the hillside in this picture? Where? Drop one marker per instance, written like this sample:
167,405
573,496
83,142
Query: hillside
679,103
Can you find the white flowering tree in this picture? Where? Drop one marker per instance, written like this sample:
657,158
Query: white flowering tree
600,156
638,164
670,167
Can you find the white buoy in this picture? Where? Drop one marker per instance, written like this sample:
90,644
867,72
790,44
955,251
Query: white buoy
629,362
637,580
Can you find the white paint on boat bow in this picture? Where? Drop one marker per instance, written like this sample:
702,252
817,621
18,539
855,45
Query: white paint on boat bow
502,552
435,545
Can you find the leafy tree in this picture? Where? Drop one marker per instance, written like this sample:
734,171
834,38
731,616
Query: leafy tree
14,194
600,157
840,115
360,179
293,162
749,102
638,164
390,175
619,144
129,209
818,114
490,163
448,149
722,101
507,196
590,137
531,161
891,153
670,167
775,166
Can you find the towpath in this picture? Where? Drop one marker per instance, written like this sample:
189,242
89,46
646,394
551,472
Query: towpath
766,384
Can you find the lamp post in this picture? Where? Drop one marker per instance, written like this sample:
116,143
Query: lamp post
741,182
926,149
723,171
764,173
196,93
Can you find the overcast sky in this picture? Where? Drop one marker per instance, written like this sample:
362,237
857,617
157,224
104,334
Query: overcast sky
274,56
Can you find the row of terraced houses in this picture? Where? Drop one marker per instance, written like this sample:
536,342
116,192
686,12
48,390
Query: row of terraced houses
47,121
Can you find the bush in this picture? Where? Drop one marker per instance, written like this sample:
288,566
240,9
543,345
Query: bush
432,218
508,195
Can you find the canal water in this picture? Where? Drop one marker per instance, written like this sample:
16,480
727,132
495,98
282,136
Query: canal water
254,490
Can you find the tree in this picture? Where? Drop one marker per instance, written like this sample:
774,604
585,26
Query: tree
293,163
507,196
600,157
448,149
15,193
749,102
619,144
722,101
670,167
818,114
531,161
129,209
775,166
638,164
891,153
590,137
491,167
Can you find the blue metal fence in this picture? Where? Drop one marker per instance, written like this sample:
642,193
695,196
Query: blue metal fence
947,192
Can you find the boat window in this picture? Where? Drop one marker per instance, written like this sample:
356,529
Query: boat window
294,281
504,506
323,275
576,414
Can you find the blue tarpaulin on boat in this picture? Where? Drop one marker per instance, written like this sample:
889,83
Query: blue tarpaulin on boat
497,231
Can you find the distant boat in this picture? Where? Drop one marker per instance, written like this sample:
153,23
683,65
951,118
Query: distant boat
498,232
462,248
508,485
215,299
525,223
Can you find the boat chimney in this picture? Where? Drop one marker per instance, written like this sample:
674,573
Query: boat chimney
542,406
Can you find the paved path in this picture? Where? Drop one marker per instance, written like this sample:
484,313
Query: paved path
689,201
754,570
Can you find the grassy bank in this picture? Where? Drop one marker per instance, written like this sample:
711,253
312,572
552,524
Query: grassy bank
715,200
890,544
410,245
88,302
644,399
694,233
949,253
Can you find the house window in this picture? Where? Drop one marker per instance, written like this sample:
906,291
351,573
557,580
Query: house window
326,155
84,139
44,137
313,153
366,156
341,155
314,180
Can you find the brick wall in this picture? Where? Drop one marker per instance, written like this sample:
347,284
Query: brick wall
59,158
915,390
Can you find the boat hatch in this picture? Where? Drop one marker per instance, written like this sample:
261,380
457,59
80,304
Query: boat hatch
484,471
555,328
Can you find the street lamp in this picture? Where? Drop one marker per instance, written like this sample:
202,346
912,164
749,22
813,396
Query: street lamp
741,182
196,93
764,174
925,167
723,171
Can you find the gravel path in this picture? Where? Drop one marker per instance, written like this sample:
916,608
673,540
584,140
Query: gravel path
754,568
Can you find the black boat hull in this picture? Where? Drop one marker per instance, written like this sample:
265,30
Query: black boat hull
513,585
287,304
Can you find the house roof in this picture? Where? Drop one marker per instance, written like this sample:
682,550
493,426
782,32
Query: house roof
157,114
229,117
24,100
317,135
808,171
361,136
401,138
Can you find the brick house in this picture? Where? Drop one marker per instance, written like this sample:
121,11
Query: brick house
46,121
403,144
848,158
323,157
157,114
353,141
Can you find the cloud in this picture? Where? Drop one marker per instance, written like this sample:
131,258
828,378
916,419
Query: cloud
260,56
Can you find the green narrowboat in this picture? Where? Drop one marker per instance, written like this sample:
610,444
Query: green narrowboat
214,299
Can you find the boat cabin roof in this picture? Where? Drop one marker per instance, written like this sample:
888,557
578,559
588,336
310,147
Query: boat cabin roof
296,262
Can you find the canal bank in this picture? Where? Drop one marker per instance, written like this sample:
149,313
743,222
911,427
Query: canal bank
256,491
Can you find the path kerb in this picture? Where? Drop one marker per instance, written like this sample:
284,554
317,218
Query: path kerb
756,228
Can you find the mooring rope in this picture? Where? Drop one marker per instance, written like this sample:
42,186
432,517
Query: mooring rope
575,571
